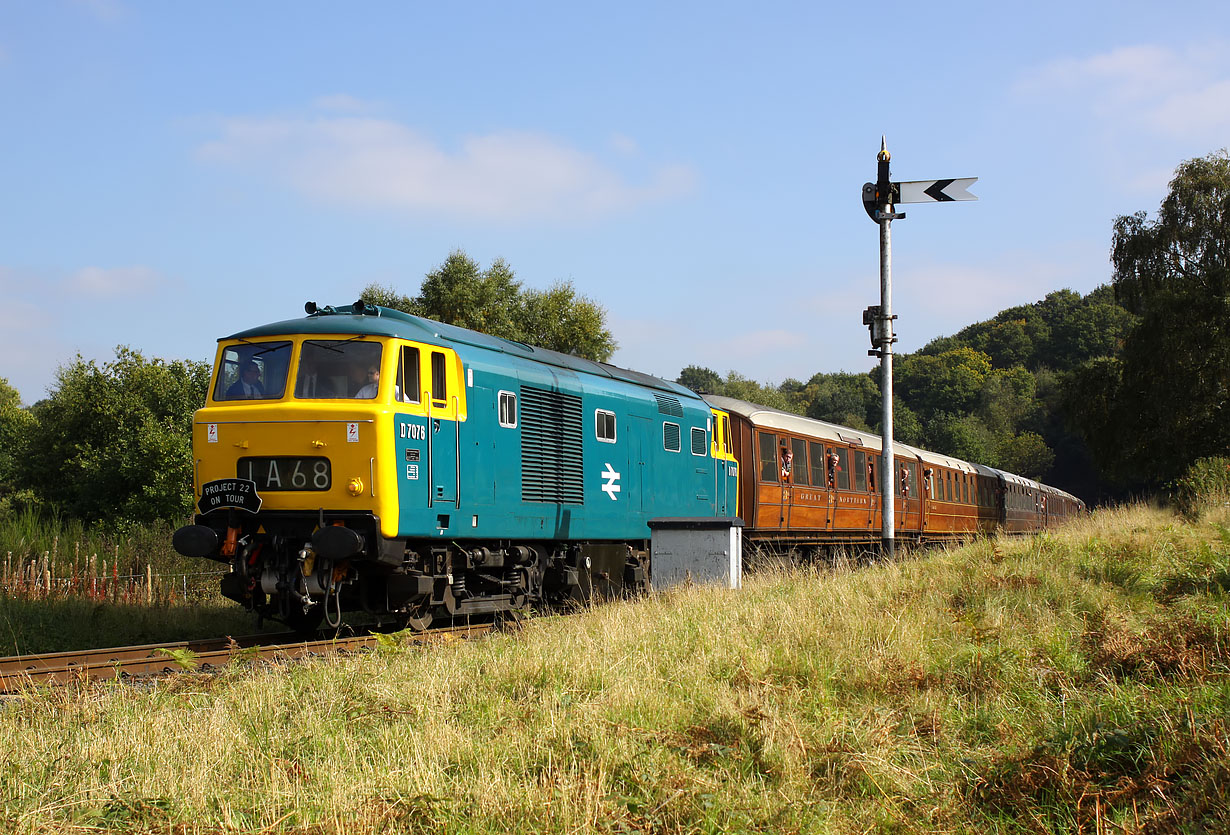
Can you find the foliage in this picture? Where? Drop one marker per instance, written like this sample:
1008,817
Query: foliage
113,441
16,426
1204,485
1174,273
459,292
701,380
1060,332
735,385
559,319
854,400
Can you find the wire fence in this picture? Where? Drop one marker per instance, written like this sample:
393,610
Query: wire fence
92,578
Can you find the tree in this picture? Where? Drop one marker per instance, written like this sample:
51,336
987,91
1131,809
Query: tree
1025,454
950,382
561,320
385,296
700,380
1174,273
492,301
113,442
16,424
847,399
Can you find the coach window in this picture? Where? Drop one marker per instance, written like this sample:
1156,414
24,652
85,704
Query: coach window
860,470
817,464
508,410
872,462
768,457
604,426
905,480
843,468
799,447
408,388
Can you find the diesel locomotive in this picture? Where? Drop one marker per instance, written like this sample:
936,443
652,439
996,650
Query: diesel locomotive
364,459
361,458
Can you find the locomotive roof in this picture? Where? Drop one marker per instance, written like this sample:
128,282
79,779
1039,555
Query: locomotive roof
385,321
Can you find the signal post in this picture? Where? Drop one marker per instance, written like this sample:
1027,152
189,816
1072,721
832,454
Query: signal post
879,199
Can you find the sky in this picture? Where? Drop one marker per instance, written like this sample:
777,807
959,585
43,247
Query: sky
171,173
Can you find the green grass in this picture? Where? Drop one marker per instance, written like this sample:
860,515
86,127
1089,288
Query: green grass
1073,681
30,627
64,586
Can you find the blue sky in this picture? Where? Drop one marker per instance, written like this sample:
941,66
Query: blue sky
173,172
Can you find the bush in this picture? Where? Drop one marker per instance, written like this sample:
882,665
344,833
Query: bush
1206,484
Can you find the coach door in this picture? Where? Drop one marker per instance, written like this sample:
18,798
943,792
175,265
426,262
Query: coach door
771,501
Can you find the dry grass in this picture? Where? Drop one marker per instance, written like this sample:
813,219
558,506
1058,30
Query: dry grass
1073,680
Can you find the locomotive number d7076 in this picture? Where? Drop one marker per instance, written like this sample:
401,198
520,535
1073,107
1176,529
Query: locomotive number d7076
286,473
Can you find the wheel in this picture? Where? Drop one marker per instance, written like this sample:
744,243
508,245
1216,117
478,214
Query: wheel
420,615
305,624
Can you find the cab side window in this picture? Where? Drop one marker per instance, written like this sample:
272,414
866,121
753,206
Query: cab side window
408,388
439,380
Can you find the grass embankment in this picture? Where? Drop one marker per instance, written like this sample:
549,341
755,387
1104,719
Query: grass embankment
64,586
1073,681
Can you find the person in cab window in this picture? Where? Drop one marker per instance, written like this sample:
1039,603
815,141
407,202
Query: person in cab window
787,463
249,383
833,461
927,483
871,476
905,482
372,385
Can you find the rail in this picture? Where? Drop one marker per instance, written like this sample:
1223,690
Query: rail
22,671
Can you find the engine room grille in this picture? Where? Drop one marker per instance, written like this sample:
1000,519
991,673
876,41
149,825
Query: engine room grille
668,405
552,468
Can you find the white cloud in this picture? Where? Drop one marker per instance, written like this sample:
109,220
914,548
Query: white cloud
625,145
938,299
1176,94
378,163
98,281
30,345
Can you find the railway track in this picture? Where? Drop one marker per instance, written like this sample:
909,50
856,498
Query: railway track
21,671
